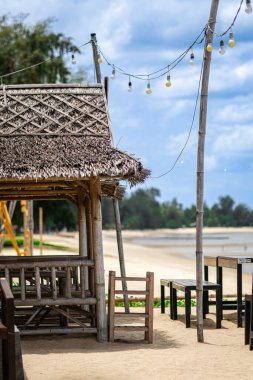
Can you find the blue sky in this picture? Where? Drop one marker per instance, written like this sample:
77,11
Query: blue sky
142,36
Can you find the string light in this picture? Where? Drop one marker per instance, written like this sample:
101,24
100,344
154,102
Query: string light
148,89
222,49
192,59
113,73
168,82
231,41
164,70
73,60
100,58
248,7
130,87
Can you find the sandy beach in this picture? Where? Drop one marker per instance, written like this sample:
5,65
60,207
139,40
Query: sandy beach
175,353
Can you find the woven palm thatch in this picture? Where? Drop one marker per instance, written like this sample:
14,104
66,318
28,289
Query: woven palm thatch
60,131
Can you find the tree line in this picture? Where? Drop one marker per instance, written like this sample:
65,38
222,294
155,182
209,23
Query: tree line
142,209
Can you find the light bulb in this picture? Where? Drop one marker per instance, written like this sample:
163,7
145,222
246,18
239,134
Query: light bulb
222,49
73,59
130,88
209,47
248,8
168,82
148,89
231,41
99,59
113,73
192,59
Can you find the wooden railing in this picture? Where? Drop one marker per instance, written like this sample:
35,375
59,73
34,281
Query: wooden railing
48,280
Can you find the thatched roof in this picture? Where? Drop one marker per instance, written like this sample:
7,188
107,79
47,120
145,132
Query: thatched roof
60,131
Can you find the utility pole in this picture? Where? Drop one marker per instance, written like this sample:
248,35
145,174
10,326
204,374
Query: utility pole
115,201
200,168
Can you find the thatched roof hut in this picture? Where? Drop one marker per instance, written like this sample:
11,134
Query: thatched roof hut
56,143
60,132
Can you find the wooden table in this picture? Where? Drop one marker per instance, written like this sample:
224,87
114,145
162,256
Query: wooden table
233,262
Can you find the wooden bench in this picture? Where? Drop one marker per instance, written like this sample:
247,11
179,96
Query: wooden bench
187,286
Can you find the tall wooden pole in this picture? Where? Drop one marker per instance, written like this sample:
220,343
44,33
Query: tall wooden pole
119,229
95,57
200,170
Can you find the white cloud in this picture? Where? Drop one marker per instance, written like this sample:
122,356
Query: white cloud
238,111
210,162
176,143
235,140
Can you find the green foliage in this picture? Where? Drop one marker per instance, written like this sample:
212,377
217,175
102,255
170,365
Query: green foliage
142,210
56,216
24,45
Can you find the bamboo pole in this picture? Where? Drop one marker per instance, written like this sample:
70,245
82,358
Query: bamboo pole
121,251
95,193
41,229
200,170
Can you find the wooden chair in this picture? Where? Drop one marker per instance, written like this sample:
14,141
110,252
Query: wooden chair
148,315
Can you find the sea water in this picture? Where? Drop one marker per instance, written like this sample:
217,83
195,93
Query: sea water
214,244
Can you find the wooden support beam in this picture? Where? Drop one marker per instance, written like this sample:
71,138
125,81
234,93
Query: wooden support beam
95,193
42,192
83,249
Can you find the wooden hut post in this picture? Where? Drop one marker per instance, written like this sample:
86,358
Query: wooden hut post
82,225
200,170
30,225
83,249
41,229
95,193
89,242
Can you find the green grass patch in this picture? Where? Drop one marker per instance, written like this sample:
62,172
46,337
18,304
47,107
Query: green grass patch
157,303
36,243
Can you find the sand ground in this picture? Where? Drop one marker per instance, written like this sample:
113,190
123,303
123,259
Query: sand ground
175,353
